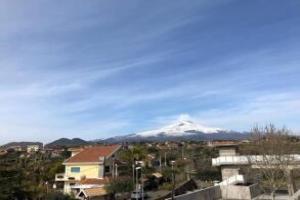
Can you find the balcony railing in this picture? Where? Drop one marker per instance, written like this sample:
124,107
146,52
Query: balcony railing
230,160
255,159
63,177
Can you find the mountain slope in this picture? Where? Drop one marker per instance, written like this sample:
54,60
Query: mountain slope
181,130
21,144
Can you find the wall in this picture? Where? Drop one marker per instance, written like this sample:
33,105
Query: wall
227,152
210,193
239,192
89,171
67,188
229,171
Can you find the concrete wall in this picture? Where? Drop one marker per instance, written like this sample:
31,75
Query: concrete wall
255,190
239,192
229,171
227,152
210,193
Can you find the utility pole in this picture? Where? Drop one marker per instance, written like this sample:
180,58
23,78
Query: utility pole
113,169
173,179
165,159
133,179
160,163
182,151
142,183
137,177
116,170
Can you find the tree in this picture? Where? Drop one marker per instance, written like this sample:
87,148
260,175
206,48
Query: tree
57,196
27,177
119,185
273,156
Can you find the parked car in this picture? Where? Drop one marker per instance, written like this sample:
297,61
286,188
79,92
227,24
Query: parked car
138,195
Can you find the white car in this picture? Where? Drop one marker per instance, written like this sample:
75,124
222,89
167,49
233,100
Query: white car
138,194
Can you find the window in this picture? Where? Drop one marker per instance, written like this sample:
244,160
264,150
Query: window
75,169
107,169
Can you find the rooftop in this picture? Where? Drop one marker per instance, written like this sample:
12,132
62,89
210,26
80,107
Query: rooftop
94,181
93,154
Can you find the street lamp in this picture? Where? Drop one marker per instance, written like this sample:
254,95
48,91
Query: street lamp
173,179
116,170
137,176
133,177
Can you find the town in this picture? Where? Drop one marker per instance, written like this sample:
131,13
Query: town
149,100
264,166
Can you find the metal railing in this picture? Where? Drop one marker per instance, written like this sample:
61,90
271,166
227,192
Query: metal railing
63,177
255,159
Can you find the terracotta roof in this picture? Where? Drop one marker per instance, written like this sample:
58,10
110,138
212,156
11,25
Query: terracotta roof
94,181
92,154
157,175
75,149
94,192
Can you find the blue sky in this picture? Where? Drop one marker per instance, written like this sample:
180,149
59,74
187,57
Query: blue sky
95,69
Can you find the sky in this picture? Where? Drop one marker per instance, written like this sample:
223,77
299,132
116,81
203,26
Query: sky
96,69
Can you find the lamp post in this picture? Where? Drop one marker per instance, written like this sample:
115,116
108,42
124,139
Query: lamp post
46,183
173,179
137,177
133,179
116,170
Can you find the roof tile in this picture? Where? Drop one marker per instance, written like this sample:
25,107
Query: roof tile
92,154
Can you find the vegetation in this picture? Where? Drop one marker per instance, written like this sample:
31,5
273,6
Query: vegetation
275,148
66,143
29,176
119,186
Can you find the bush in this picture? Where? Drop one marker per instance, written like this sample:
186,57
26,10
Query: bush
57,196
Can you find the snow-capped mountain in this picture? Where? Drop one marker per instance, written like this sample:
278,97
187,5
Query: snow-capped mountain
180,130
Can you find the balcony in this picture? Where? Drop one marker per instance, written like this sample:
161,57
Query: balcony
292,159
230,160
63,177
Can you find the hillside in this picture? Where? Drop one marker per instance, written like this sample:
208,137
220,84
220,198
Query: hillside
65,142
21,144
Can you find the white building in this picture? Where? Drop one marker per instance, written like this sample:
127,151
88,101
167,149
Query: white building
33,148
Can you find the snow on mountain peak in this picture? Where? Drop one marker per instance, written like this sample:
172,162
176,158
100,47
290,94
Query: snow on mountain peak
180,128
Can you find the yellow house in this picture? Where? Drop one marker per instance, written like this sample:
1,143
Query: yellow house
89,168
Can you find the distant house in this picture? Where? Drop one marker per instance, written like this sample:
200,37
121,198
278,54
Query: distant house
23,146
3,152
88,169
217,143
15,148
33,148
75,151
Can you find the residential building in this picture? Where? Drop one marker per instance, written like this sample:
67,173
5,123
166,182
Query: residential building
15,148
92,167
237,184
33,148
3,152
